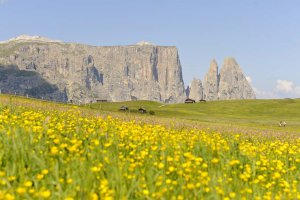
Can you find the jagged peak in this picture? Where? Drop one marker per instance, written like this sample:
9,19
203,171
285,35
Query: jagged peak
29,38
213,61
230,61
213,65
196,80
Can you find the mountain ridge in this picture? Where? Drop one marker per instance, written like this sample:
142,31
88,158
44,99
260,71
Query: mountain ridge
90,73
141,71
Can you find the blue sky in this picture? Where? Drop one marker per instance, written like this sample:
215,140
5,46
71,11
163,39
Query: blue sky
263,35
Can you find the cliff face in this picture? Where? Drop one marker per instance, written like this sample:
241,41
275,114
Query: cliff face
233,83
196,90
230,83
88,73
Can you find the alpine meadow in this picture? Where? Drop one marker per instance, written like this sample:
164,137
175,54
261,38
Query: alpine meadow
63,151
149,100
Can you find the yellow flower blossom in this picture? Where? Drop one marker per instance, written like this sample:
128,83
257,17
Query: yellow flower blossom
71,153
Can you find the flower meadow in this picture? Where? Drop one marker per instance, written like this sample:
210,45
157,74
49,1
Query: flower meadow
52,154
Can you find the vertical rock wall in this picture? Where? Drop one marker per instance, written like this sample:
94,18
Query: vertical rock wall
115,73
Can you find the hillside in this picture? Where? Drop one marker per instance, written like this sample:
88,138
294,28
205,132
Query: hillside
62,151
264,114
234,115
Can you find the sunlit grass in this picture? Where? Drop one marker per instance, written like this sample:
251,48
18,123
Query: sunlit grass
60,151
261,114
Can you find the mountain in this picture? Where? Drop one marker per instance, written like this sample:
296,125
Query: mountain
211,82
233,83
230,83
86,73
196,90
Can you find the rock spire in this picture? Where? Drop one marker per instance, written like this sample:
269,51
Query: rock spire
211,82
196,90
233,83
230,83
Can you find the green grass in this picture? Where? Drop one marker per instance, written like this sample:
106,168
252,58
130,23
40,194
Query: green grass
264,114
234,115
62,151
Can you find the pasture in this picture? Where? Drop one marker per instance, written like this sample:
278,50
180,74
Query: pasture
60,151
256,114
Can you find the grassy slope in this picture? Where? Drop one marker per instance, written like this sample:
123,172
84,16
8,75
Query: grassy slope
219,115
264,114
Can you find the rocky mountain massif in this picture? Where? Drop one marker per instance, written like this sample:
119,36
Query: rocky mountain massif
54,70
51,69
230,83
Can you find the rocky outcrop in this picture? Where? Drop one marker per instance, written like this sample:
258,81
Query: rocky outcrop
196,90
87,73
230,83
211,82
233,83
